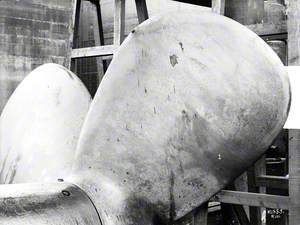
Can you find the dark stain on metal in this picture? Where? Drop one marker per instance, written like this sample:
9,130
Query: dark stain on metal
12,176
66,193
181,46
173,59
60,180
3,166
133,31
145,90
141,211
172,199
154,110
118,139
174,90
185,116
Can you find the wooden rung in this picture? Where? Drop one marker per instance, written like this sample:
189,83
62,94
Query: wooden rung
105,50
253,199
272,181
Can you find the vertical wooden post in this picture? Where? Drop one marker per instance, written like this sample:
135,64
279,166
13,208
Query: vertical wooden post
260,169
200,215
294,136
294,176
255,213
141,9
119,22
245,11
100,31
75,28
218,6
293,32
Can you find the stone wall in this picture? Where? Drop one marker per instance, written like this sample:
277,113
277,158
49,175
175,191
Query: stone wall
32,32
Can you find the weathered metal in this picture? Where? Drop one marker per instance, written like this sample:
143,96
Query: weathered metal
198,99
40,126
46,204
188,103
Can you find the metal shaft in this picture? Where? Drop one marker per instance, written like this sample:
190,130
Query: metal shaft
44,204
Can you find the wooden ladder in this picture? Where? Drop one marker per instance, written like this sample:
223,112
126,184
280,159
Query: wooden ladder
102,50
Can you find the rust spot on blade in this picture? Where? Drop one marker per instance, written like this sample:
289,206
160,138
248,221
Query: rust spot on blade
173,60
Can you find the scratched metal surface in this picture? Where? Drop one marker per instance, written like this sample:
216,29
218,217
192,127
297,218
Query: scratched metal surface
187,104
40,126
46,204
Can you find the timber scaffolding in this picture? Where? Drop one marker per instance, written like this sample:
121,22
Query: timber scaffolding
258,181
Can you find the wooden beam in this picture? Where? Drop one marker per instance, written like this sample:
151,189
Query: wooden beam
100,40
245,11
268,28
279,182
141,9
218,6
119,21
75,29
234,214
253,199
259,169
200,215
105,50
206,3
294,32
294,176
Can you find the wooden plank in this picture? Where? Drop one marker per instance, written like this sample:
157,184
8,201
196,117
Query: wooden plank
100,39
268,28
142,11
258,169
75,28
245,11
119,21
200,215
294,176
272,181
218,6
293,31
279,36
105,50
253,199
